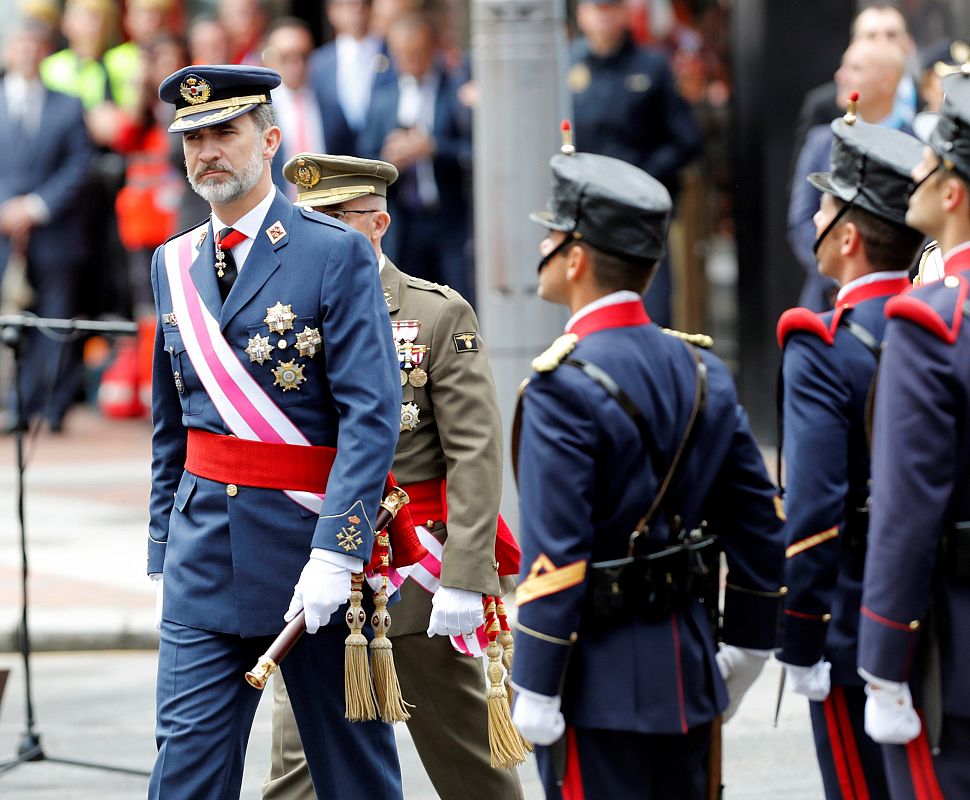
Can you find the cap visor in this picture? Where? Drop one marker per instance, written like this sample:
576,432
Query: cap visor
548,220
206,119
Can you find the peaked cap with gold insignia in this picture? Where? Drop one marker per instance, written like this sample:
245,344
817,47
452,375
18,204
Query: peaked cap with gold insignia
324,180
210,95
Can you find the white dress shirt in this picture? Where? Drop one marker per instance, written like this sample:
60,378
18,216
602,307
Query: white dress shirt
300,120
415,109
355,76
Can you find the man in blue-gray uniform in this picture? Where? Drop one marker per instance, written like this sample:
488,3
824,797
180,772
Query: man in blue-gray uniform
914,636
626,105
274,382
627,427
864,245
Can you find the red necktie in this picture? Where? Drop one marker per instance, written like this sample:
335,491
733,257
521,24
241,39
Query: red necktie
226,239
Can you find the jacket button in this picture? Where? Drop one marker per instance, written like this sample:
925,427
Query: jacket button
232,490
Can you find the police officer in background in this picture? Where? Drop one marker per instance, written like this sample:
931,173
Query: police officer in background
627,427
271,348
829,363
914,638
626,105
449,461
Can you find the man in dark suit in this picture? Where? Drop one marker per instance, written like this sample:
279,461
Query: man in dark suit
418,124
44,156
345,71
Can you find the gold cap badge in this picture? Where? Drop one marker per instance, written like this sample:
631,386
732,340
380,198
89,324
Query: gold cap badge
195,90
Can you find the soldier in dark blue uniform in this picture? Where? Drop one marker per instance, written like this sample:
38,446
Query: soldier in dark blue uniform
271,348
627,427
863,243
626,105
914,638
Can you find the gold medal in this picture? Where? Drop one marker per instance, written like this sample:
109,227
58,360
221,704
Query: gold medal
280,318
288,375
418,377
404,378
409,416
259,349
308,342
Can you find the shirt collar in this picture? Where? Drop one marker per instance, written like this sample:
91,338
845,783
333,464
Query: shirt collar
865,280
381,262
250,222
954,253
624,296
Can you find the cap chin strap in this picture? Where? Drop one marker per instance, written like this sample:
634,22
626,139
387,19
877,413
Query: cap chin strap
571,238
835,221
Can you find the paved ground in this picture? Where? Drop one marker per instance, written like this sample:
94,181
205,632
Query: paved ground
87,496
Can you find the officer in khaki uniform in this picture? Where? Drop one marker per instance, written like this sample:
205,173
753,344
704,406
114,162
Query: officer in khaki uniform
449,461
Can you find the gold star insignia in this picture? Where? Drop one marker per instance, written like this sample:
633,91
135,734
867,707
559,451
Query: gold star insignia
409,416
288,375
308,342
259,349
280,318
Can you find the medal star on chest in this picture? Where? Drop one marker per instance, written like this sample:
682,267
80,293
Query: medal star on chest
288,375
280,318
308,342
259,349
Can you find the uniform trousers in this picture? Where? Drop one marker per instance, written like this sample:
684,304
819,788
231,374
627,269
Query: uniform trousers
851,763
608,765
449,726
915,773
205,711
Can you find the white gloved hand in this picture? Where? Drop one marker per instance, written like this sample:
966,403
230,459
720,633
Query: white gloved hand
813,682
739,666
323,587
890,717
455,612
157,580
537,716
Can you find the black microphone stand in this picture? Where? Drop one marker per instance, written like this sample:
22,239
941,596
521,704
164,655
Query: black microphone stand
12,327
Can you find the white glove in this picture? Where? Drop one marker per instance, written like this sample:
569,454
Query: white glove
739,667
323,587
814,682
455,612
890,717
537,716
157,580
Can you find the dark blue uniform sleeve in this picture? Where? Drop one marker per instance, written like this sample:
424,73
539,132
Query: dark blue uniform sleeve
168,433
557,468
919,407
816,414
742,508
363,375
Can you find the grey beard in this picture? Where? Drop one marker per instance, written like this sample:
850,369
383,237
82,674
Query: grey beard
232,188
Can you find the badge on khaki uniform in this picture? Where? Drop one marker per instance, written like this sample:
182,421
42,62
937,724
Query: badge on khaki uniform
466,342
409,354
409,416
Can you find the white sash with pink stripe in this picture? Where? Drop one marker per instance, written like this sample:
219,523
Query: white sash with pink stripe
242,403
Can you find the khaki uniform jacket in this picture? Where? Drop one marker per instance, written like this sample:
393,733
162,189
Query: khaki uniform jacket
458,436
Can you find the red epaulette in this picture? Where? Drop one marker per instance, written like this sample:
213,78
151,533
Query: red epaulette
803,319
916,310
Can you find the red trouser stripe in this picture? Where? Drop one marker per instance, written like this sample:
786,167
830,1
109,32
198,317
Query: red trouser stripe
849,743
925,785
836,746
572,781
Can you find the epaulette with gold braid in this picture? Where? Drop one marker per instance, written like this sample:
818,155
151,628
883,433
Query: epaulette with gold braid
556,353
696,339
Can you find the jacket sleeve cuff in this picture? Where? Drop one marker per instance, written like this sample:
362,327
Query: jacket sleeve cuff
751,617
803,637
156,556
350,533
469,569
887,647
540,660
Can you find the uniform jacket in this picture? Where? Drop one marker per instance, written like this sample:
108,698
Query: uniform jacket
230,562
585,479
52,162
458,437
921,471
627,106
827,373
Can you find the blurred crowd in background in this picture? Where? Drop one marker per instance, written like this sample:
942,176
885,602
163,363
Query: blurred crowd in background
649,79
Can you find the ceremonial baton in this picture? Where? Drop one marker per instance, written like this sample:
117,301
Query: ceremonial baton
269,662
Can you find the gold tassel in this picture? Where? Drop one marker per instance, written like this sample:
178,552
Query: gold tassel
504,740
390,703
358,689
508,648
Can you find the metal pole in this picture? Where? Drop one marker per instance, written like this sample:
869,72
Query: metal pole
519,59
